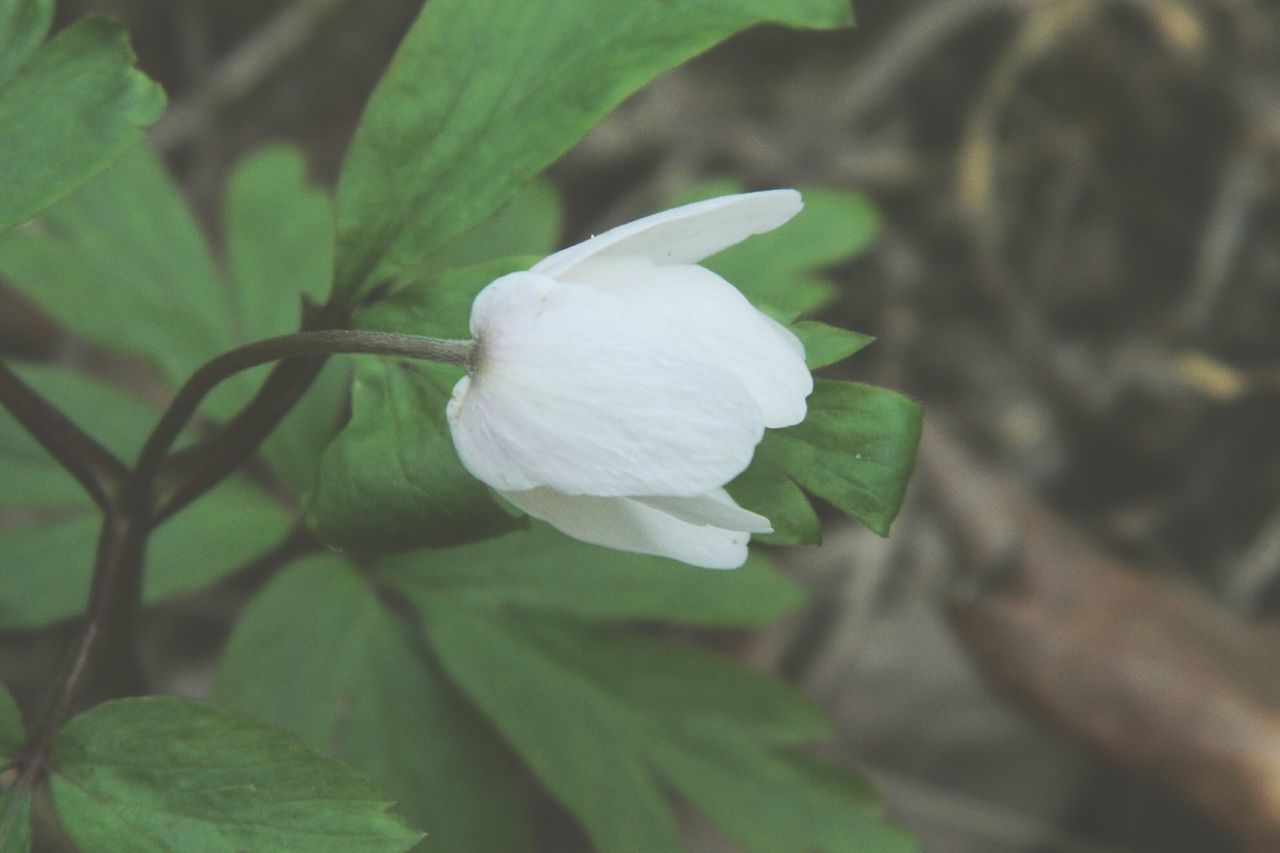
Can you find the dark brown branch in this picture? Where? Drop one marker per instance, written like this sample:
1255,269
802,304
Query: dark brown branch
101,473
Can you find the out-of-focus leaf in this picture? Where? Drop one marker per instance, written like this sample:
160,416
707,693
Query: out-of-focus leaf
318,653
12,733
741,788
586,747
279,247
15,819
604,716
15,800
161,774
23,26
123,263
856,449
484,94
544,570
75,105
117,421
279,241
391,480
48,561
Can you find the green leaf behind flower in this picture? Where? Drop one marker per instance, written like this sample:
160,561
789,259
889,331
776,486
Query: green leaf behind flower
484,94
856,449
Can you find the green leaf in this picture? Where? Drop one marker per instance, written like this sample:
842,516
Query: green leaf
587,749
123,263
825,344
856,450
118,421
279,248
544,570
72,108
740,787
391,480
607,716
279,241
23,26
15,799
12,733
15,819
484,94
439,305
318,653
48,561
528,226
161,774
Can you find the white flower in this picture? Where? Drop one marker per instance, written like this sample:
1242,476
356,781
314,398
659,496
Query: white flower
617,386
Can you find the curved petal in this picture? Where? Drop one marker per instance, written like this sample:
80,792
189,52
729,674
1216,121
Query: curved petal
766,357
683,235
628,525
714,509
575,391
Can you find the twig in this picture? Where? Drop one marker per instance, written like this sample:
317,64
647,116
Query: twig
260,415
89,462
241,71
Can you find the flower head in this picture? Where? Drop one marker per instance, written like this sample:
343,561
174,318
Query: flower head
618,386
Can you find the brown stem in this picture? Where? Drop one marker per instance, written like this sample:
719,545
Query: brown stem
101,474
302,355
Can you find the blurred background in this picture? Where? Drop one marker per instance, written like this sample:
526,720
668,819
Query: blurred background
1070,642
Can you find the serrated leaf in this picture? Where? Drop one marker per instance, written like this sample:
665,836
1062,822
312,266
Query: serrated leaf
484,94
170,774
75,105
856,449
391,480
23,26
544,570
317,652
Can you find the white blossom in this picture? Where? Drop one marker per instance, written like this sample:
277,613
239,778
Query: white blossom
617,386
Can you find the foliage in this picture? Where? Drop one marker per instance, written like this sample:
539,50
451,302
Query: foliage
463,660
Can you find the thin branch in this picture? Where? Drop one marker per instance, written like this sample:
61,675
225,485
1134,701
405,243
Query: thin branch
100,472
241,71
282,386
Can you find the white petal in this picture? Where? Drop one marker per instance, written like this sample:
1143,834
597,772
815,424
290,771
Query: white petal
685,234
714,509
766,357
576,391
628,525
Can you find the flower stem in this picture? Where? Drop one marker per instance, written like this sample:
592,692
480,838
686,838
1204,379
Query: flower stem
309,345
